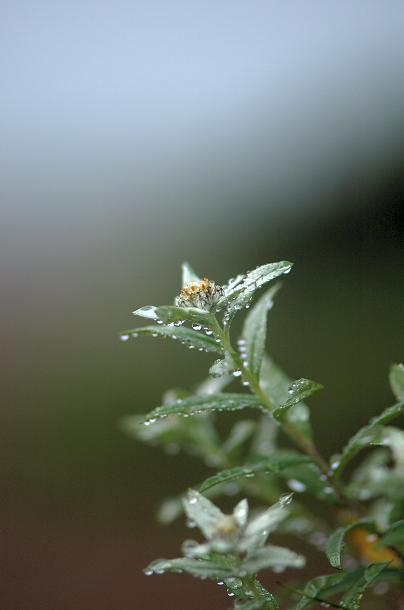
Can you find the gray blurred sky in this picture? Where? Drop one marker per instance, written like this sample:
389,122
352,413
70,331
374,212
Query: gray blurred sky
162,106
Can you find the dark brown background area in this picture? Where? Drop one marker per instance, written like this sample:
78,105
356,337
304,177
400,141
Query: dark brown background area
117,165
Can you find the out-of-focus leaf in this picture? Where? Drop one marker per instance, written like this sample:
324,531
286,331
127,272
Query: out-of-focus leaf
394,438
184,335
220,368
298,391
335,543
352,599
258,530
236,587
369,476
264,443
271,556
203,512
275,383
254,331
188,275
275,464
394,536
201,568
307,477
397,381
213,385
368,435
206,403
320,588
241,431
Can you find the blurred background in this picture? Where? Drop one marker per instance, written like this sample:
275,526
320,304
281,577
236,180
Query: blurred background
134,135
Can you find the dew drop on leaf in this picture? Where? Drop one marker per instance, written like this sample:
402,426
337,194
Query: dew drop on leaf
124,337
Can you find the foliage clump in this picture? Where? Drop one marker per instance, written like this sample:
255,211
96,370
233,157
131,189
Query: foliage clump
366,508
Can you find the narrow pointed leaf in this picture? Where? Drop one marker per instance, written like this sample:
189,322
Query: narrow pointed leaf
184,335
271,556
298,391
201,568
397,381
352,599
148,311
203,513
254,331
394,536
368,435
335,543
258,277
274,465
188,275
206,403
171,313
258,530
319,589
275,383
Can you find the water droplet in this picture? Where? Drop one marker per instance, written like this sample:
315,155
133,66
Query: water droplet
191,346
149,572
296,485
237,373
230,594
193,500
154,334
245,383
159,321
134,335
200,349
196,326
124,337
209,332
220,582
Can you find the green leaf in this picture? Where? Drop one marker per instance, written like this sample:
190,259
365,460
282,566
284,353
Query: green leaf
170,314
258,529
271,556
335,543
298,391
243,592
394,536
257,277
201,568
239,291
148,311
254,331
320,588
221,367
241,431
203,512
307,477
188,275
352,599
273,465
275,383
368,435
184,335
206,403
397,381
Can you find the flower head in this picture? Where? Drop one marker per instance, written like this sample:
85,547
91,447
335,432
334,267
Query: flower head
203,294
